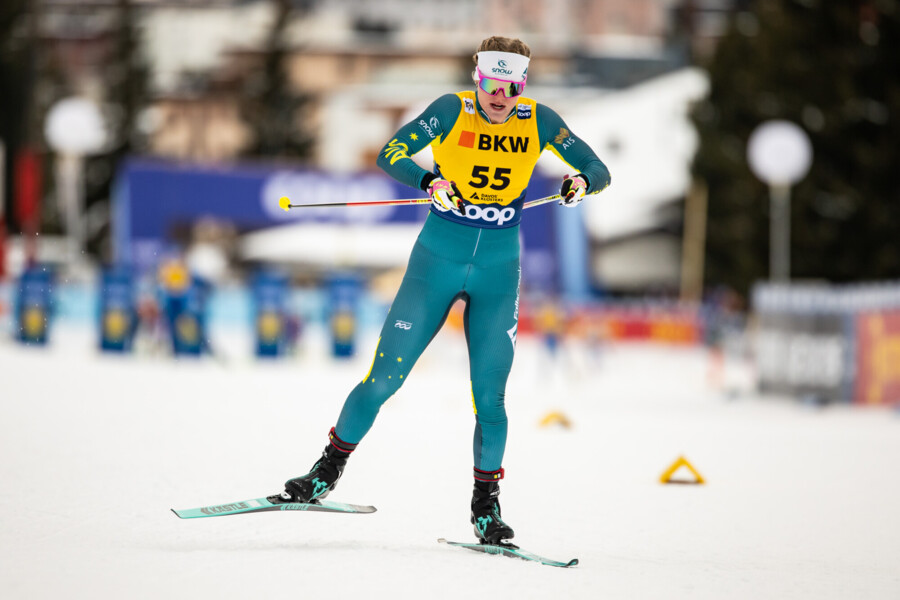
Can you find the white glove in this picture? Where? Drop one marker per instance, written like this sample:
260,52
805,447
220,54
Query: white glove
572,190
445,195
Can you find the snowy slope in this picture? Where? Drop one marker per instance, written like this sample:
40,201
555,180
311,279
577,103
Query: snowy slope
801,503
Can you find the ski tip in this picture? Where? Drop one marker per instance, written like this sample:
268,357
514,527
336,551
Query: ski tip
352,508
176,513
572,562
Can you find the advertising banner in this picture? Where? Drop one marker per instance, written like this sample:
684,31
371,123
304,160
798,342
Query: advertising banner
624,323
878,354
833,342
153,200
805,355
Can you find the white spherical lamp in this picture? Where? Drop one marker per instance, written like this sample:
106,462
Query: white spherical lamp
779,153
75,126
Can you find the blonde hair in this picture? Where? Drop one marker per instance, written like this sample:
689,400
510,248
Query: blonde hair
498,43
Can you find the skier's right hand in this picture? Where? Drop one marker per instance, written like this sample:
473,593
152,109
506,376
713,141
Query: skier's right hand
445,195
572,190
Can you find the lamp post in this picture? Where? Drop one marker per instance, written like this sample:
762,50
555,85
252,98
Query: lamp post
779,154
74,129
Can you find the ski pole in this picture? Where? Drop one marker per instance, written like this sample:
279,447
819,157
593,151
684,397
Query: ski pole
549,199
285,203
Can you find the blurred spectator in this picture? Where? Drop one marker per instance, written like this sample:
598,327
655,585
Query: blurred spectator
210,250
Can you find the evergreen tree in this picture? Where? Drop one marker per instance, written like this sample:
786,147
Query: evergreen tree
834,69
125,76
270,106
16,56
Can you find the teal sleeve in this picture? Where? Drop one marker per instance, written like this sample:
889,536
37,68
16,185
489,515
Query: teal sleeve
435,121
555,135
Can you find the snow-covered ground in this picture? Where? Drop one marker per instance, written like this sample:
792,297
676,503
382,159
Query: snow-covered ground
800,502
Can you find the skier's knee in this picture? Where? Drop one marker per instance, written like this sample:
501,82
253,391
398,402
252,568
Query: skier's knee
490,407
378,389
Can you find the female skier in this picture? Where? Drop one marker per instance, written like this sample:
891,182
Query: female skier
486,143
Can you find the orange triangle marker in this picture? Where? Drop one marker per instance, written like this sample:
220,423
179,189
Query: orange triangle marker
556,418
666,477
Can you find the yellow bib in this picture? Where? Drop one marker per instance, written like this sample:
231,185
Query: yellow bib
491,164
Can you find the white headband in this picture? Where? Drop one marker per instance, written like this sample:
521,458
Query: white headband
503,65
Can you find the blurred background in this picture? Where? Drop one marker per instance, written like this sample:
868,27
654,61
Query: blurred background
144,145
170,337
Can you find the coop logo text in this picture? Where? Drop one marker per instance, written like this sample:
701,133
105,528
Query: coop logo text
489,214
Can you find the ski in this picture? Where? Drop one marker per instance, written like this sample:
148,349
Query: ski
510,550
269,503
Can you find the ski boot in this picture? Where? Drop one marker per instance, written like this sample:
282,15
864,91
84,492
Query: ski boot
489,527
323,476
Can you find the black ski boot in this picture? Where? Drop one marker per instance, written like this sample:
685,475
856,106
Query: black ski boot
489,527
324,475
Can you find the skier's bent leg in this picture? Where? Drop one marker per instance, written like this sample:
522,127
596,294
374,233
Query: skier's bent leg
430,286
398,350
364,402
357,416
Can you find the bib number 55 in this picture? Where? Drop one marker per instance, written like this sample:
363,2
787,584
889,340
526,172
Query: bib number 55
480,178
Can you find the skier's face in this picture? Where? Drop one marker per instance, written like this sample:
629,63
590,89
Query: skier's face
497,107
497,96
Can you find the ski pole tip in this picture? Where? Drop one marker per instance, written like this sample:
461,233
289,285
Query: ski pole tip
284,203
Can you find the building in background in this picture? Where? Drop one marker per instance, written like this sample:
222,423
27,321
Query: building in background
366,67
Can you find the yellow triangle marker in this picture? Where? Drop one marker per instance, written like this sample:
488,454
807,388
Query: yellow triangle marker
556,418
666,477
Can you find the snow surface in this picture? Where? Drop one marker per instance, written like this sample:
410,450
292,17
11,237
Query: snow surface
94,450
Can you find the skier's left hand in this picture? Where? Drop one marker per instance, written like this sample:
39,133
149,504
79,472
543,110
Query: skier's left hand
572,189
445,195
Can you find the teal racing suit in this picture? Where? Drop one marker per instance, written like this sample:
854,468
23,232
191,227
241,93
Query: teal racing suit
472,256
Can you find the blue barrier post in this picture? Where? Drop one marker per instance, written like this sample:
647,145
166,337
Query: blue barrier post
118,312
344,291
184,300
270,292
33,305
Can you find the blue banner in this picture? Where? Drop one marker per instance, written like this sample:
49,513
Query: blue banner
154,199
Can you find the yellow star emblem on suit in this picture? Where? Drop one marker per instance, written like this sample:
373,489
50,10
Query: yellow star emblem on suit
413,136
